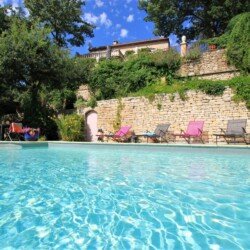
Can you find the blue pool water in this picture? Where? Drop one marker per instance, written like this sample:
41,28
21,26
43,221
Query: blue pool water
110,197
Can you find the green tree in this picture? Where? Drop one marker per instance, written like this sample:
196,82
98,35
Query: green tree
238,42
64,18
8,14
4,19
30,62
194,19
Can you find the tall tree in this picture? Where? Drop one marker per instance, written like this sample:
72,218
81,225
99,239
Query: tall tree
201,18
64,18
4,19
30,62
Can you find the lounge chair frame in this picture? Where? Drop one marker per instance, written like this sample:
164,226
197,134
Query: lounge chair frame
121,138
187,137
160,132
15,136
235,129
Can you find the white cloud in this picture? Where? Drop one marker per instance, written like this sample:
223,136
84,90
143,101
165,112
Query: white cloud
130,18
91,18
118,26
99,3
128,1
97,20
124,33
105,20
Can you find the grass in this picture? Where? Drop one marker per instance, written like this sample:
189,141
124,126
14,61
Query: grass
240,86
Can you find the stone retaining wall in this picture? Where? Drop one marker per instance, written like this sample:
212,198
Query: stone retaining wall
212,65
143,114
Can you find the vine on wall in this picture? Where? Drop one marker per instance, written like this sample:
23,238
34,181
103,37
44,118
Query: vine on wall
118,119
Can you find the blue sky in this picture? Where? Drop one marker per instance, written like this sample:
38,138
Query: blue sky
114,19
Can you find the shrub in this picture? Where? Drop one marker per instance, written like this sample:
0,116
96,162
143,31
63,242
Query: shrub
241,87
212,88
71,127
166,63
194,53
144,50
115,78
80,103
129,52
92,102
236,40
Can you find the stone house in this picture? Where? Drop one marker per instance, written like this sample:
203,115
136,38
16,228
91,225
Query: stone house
119,49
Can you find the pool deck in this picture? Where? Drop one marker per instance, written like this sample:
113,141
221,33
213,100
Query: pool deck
25,144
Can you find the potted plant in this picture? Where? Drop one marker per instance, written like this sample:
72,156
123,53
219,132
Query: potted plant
212,47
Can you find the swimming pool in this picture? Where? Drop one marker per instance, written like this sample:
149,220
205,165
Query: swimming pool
111,197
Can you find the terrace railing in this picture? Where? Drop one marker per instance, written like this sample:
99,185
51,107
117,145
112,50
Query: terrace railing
103,54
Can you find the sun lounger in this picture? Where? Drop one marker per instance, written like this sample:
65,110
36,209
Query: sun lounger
159,133
15,131
235,129
122,135
194,130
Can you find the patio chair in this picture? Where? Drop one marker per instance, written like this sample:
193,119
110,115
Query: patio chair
15,131
159,134
122,135
235,129
194,130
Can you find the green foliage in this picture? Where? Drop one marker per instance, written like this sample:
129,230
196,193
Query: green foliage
107,78
206,18
71,127
114,78
29,59
63,18
92,102
4,19
29,64
61,99
236,40
240,86
144,50
38,78
194,53
212,88
238,50
118,120
80,103
42,138
182,94
129,52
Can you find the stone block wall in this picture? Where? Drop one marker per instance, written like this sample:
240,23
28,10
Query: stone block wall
143,114
212,65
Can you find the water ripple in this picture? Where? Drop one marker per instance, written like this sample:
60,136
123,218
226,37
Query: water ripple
87,198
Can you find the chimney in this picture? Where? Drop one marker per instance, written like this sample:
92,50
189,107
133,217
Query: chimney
115,42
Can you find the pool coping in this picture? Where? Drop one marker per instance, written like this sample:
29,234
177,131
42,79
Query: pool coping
51,143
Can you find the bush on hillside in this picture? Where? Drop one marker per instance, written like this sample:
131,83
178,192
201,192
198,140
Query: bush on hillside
212,88
236,40
194,53
115,78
